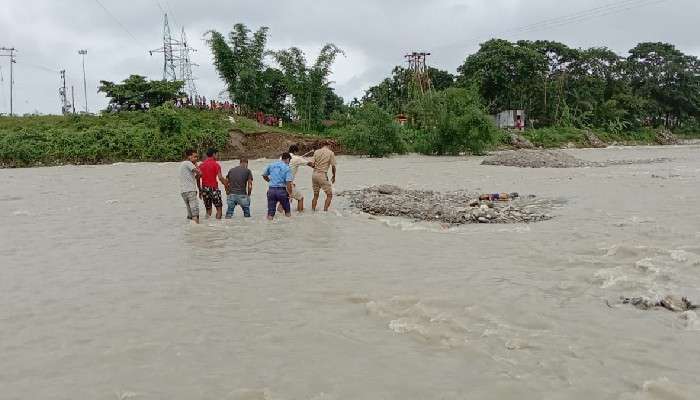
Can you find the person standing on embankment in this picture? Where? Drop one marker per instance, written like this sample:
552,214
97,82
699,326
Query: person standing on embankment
323,159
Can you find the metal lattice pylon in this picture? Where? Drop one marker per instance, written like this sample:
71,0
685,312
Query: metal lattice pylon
186,65
418,66
170,57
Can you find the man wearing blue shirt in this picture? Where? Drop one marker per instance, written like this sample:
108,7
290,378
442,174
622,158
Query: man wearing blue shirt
280,177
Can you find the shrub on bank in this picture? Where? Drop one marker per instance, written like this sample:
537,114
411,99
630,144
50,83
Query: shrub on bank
159,135
452,122
373,132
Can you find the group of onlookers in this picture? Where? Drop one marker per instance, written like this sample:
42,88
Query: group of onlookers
201,181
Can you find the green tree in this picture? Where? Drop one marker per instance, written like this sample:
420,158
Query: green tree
668,79
451,122
373,131
240,63
393,94
136,90
506,74
308,85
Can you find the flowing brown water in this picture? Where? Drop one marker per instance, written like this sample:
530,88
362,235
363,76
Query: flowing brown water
107,292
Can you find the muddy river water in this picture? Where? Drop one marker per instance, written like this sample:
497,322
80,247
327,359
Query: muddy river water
106,292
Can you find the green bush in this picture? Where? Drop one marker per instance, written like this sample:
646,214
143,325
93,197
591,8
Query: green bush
159,135
372,131
451,122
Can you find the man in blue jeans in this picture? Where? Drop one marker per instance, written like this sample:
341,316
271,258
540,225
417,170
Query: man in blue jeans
280,177
239,189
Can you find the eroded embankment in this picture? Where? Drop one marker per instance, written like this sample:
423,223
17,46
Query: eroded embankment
272,144
459,207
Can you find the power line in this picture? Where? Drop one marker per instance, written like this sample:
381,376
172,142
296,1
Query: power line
579,16
117,20
586,15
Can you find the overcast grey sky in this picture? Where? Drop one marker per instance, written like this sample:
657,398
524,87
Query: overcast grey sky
374,33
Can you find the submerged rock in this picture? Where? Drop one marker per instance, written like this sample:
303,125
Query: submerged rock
446,207
671,303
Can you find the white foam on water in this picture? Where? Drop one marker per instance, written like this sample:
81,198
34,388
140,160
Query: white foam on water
689,321
663,389
21,213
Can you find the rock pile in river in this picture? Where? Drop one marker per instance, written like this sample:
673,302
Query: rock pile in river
554,159
535,159
458,207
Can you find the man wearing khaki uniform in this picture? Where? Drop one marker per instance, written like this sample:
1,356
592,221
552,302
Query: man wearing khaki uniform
324,159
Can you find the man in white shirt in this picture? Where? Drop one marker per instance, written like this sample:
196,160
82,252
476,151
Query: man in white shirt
189,184
297,161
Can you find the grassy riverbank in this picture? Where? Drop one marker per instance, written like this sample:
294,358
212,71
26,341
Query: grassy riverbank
163,133
160,135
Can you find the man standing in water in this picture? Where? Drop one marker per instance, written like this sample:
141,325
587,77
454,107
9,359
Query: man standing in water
189,184
240,184
210,193
324,158
279,175
294,164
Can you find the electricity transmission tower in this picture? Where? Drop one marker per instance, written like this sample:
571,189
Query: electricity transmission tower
418,66
169,55
10,52
186,66
66,106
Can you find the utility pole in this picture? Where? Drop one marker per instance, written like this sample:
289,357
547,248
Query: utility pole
418,66
10,52
65,105
84,53
72,97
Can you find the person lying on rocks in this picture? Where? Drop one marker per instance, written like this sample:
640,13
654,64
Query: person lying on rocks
499,196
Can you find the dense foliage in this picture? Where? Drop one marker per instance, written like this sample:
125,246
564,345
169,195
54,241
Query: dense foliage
137,90
561,86
394,94
372,131
159,135
451,122
290,89
308,85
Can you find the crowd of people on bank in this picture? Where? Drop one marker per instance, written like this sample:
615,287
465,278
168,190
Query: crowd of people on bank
200,181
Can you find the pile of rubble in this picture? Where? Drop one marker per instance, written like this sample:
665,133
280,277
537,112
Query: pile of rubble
554,159
535,159
455,208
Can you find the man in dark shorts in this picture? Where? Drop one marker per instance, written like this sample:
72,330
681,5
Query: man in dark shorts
279,175
240,187
210,194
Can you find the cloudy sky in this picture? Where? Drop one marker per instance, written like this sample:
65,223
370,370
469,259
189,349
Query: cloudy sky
374,33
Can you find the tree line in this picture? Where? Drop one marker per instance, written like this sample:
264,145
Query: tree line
293,89
654,85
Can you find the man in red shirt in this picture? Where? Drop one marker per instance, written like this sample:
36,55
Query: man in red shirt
211,170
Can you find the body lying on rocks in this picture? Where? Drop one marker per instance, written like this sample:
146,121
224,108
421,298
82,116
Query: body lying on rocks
671,303
459,207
